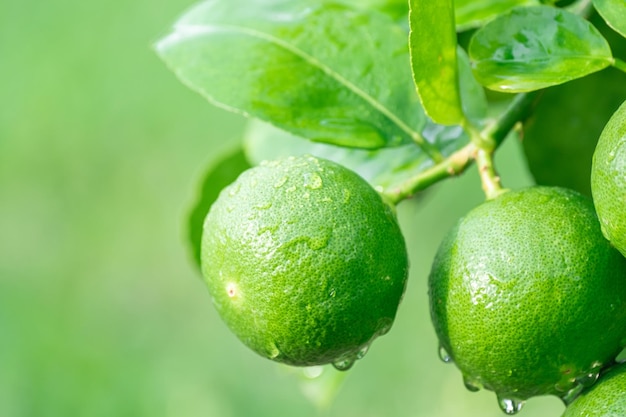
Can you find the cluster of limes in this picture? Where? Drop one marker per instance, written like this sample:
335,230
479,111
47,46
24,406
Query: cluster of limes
528,290
306,264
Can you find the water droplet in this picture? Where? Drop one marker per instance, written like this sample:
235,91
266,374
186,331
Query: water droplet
312,181
588,379
444,355
346,196
384,324
510,406
344,363
273,351
363,352
263,206
572,394
280,182
471,384
611,156
234,189
313,372
332,293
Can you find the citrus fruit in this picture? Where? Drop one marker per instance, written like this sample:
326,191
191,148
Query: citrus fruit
604,399
608,179
526,295
304,261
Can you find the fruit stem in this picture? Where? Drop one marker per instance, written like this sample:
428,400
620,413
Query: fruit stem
488,176
494,134
619,64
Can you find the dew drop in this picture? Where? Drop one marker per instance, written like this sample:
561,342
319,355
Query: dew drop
312,181
234,189
510,406
344,363
263,206
313,372
611,156
273,351
363,352
572,394
280,182
384,325
332,293
444,355
588,379
471,384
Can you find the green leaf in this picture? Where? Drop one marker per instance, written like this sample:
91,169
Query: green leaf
397,9
614,13
217,177
324,72
561,136
432,42
384,168
473,98
536,47
475,13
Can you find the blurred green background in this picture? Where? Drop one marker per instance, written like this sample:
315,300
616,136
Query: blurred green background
101,310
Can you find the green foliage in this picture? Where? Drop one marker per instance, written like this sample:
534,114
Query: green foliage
475,13
398,93
536,47
295,64
434,61
614,12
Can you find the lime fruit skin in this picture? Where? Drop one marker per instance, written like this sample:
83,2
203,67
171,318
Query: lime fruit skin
608,179
607,398
304,261
526,295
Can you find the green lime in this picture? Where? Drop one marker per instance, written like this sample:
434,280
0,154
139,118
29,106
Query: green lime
304,261
527,297
608,179
604,399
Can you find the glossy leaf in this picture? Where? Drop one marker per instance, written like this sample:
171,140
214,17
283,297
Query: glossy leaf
473,98
475,13
614,13
561,136
383,168
536,47
432,43
324,72
217,177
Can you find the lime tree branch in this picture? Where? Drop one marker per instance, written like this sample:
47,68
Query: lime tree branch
459,161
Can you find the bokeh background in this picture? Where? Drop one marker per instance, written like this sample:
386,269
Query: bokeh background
102,312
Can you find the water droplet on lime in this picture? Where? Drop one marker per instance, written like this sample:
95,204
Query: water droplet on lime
471,384
363,352
444,355
344,363
510,406
312,181
280,182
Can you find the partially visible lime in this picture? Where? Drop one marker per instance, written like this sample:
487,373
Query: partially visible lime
607,398
608,179
304,261
527,297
